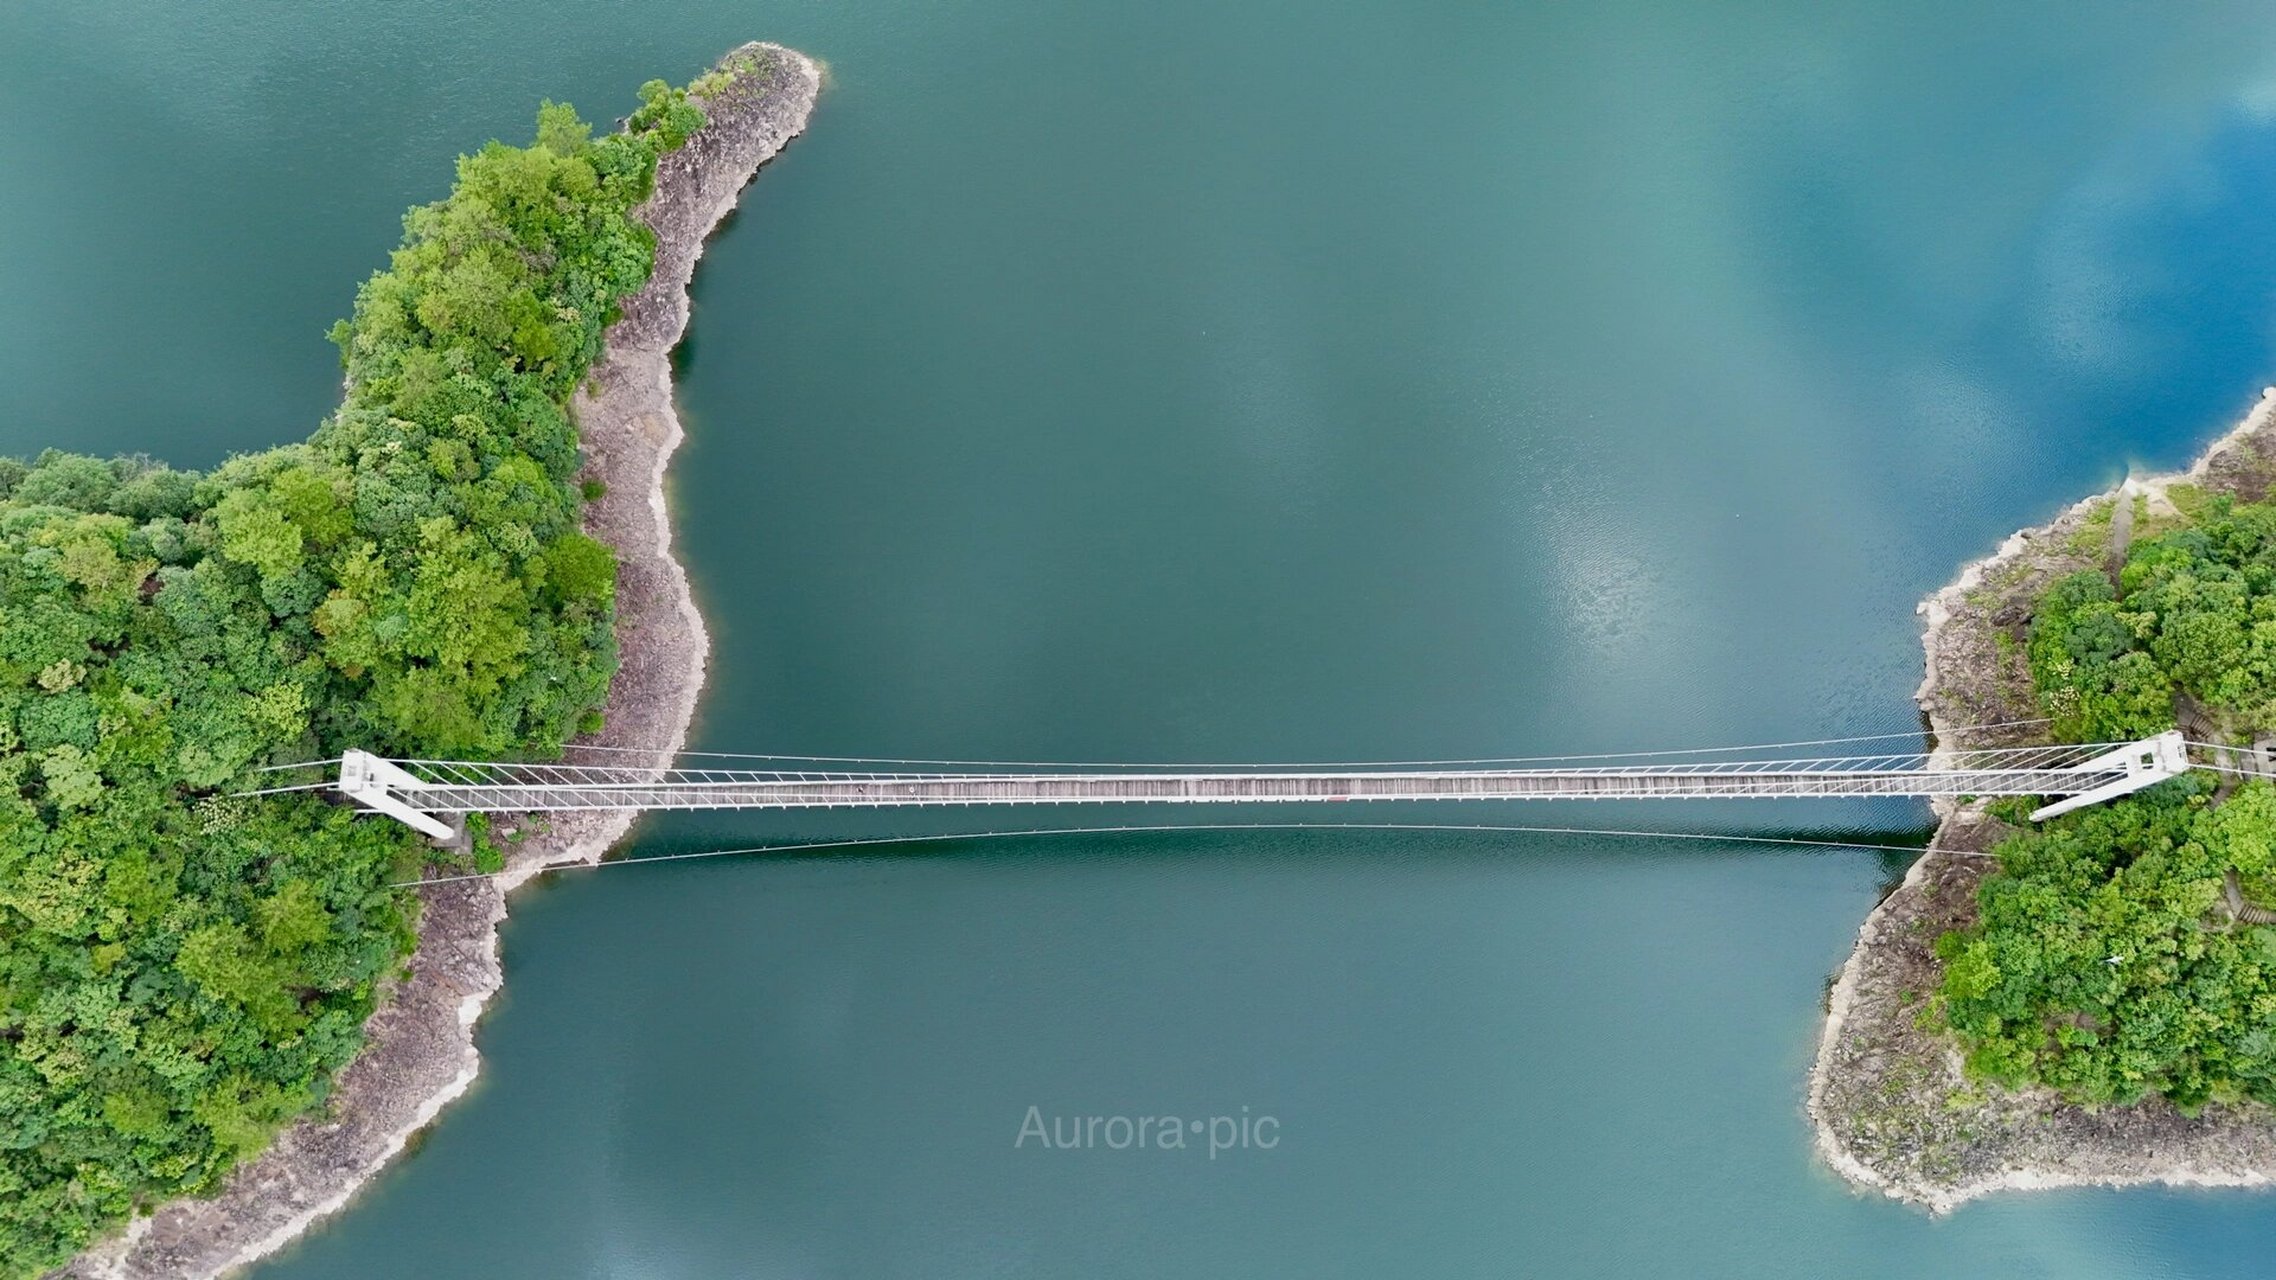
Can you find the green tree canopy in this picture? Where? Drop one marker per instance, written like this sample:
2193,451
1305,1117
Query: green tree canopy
182,972
2109,960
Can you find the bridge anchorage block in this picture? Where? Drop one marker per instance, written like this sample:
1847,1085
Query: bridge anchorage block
372,782
2146,763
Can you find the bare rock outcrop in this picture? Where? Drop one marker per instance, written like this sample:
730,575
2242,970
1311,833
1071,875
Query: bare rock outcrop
1891,1107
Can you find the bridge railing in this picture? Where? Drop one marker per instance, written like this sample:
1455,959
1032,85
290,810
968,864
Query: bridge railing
415,790
466,773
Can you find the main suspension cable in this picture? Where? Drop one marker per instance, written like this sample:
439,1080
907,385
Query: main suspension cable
1335,764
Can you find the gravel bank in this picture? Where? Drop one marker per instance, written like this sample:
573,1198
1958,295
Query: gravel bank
1891,1109
420,1053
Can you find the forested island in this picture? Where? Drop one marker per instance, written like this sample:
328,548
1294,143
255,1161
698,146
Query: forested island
185,973
2093,999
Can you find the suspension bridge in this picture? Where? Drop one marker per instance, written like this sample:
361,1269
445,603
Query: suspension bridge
427,794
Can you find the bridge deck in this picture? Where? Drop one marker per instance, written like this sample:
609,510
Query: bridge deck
414,791
1244,788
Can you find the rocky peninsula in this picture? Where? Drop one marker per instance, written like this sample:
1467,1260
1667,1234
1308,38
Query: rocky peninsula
1887,1097
420,1051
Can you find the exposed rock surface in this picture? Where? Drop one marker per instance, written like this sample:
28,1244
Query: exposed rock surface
1890,1105
420,1053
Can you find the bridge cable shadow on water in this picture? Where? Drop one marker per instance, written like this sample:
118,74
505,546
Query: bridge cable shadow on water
870,842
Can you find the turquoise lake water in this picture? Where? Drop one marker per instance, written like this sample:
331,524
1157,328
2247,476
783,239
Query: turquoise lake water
1239,381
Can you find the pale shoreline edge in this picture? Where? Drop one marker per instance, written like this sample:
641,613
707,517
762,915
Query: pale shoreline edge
420,1055
1937,612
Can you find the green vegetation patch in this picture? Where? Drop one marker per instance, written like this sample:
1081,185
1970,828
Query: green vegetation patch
2104,964
2091,537
2111,959
2194,612
181,973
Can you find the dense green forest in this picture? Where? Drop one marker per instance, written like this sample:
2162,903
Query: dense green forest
2111,959
182,972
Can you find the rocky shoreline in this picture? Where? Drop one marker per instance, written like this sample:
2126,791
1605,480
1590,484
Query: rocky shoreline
1890,1107
419,1052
